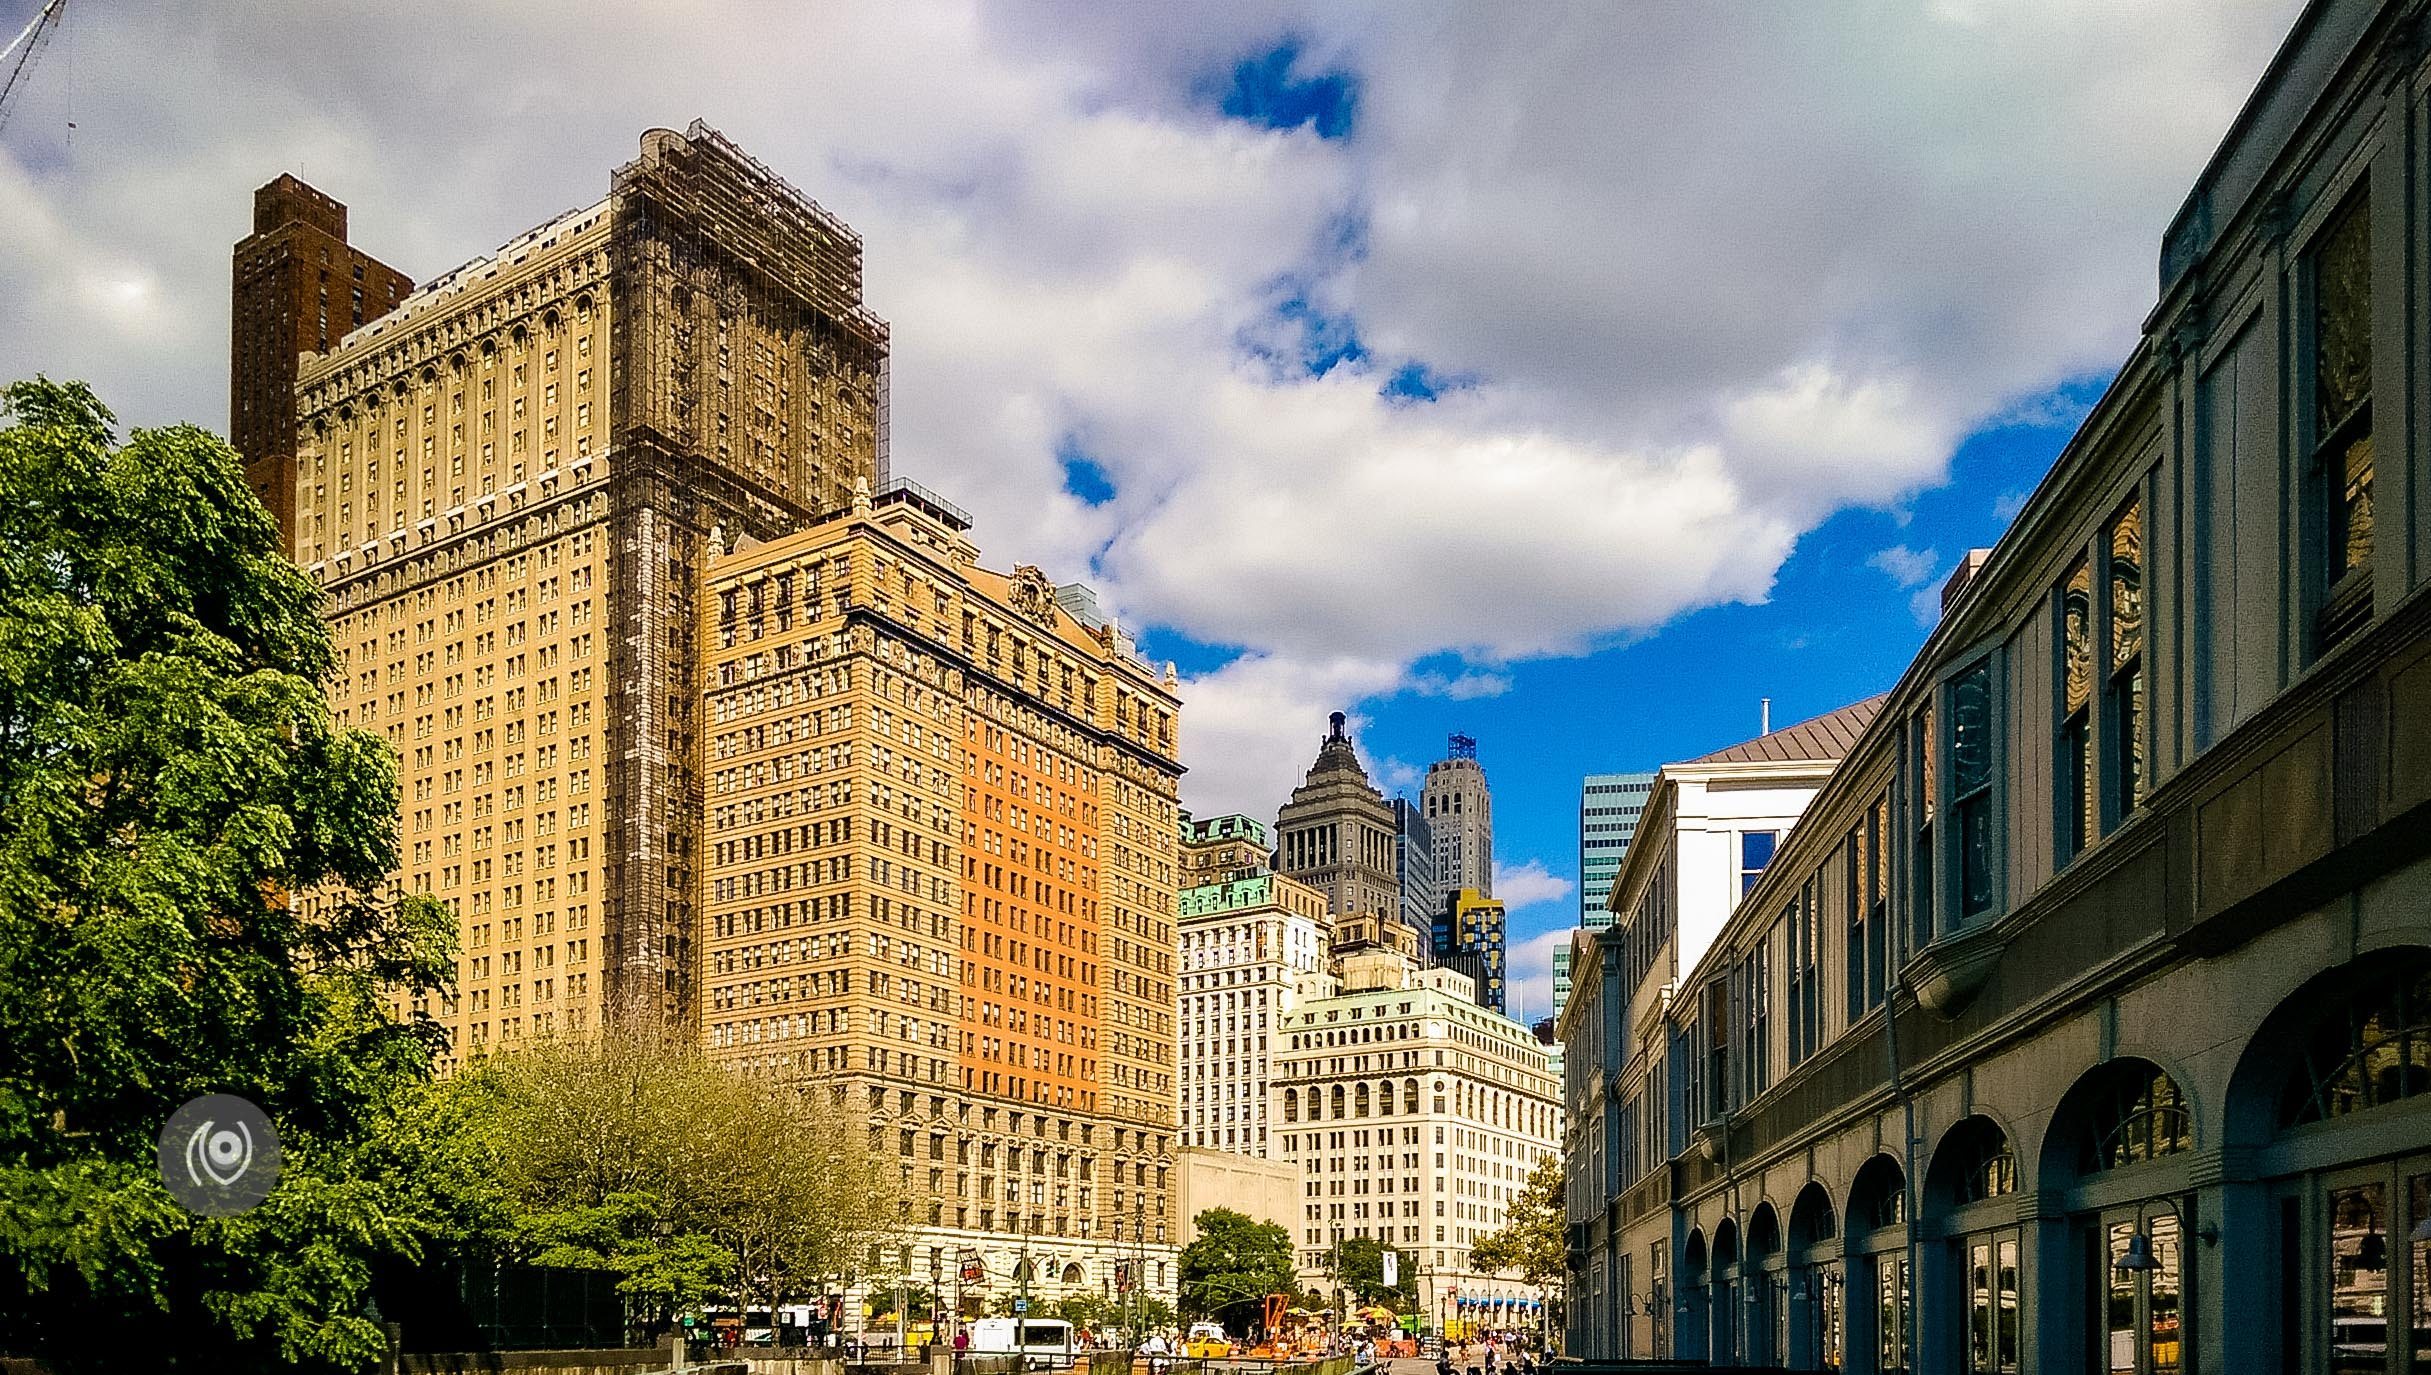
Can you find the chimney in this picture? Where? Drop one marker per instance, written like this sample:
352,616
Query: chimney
1962,575
1764,717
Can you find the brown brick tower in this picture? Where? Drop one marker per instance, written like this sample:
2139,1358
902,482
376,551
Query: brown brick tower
295,287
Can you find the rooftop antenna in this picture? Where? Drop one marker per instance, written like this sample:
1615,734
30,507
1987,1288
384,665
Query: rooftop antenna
1765,718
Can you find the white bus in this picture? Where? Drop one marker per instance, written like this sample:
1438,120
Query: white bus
1047,1340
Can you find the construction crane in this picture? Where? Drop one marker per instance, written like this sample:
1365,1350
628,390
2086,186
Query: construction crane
21,51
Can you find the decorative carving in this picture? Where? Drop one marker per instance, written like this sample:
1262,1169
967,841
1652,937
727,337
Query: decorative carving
1033,595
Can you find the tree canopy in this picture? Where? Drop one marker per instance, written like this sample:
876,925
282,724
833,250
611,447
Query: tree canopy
1235,1263
633,1152
1359,1265
194,898
1530,1239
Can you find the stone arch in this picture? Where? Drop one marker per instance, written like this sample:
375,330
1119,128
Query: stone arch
1763,1233
1975,1160
1726,1245
1878,1196
2382,998
2126,1110
1812,1220
1072,1274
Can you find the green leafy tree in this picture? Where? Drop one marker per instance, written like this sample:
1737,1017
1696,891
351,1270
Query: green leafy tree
1358,1263
1235,1263
632,1151
1530,1239
194,898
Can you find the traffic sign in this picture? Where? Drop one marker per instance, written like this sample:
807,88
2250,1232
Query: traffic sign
1021,1305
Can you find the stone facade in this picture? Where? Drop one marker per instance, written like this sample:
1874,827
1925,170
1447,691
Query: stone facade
939,880
2080,1024
1414,1116
1248,948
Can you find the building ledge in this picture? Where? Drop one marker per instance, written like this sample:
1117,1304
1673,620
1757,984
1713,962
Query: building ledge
1946,974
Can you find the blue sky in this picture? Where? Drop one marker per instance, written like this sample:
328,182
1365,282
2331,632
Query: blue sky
1579,373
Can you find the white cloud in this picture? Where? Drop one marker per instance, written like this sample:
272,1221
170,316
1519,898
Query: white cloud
1709,276
1907,567
1529,884
1528,973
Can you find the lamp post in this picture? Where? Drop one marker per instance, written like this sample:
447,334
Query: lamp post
1021,1307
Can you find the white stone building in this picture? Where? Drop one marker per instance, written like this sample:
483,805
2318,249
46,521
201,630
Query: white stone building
1246,944
1415,1116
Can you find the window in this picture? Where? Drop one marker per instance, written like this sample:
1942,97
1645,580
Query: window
2141,1116
1756,1003
1920,896
1869,935
2123,674
1717,1048
1755,851
1971,786
2342,413
1805,978
2075,738
2373,1049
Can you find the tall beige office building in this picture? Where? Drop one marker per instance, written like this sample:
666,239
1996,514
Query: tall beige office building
505,484
940,870
1336,834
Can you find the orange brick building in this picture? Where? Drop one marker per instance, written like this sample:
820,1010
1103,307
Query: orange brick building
940,867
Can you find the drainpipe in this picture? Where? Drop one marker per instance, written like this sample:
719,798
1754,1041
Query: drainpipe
1907,1158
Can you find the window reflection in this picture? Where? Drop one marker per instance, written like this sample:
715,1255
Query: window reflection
2342,383
2076,710
2359,1280
2124,683
1971,785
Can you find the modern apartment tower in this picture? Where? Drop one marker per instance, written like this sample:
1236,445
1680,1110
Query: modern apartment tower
506,485
1414,859
1609,805
1470,934
939,873
1336,835
296,286
1460,808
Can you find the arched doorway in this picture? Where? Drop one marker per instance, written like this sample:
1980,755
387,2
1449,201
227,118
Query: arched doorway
1728,1322
1877,1259
1969,1201
1816,1296
2116,1158
2330,1099
1689,1305
1766,1282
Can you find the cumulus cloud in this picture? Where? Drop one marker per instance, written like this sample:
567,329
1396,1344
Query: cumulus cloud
1529,884
1907,567
1702,277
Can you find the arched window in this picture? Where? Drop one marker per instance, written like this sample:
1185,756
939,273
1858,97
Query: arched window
1291,1105
1409,1097
1975,1162
2372,1050
1337,1103
2139,1115
1072,1274
1879,1198
1384,1099
1359,1100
